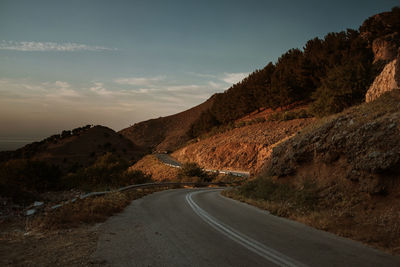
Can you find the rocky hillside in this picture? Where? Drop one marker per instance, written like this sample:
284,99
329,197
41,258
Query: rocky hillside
77,148
165,133
243,148
361,146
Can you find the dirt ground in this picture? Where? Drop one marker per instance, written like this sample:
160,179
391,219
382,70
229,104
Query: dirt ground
69,247
35,241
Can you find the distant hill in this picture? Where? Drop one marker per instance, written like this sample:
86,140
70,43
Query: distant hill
166,133
80,147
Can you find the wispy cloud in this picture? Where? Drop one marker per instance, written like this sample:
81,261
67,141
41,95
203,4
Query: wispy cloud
99,89
233,78
24,89
50,46
140,81
215,80
116,103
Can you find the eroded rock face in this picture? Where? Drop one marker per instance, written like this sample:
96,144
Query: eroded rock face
384,82
385,48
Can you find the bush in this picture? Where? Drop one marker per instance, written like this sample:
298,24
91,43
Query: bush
192,172
289,115
23,179
89,210
343,87
304,198
135,177
107,172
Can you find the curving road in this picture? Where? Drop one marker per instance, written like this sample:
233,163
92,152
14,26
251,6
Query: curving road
199,227
170,161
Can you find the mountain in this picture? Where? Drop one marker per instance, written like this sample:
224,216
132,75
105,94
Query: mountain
165,133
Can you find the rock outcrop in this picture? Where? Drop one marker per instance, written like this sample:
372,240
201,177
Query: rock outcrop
387,80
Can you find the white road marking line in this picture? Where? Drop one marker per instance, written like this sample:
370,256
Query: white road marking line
249,243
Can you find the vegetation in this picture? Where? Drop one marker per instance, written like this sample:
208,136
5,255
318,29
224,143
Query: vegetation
192,172
89,210
23,179
331,74
387,24
108,171
290,115
282,199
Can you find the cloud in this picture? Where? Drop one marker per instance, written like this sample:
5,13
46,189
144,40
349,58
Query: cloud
24,89
183,88
50,46
139,81
62,84
233,78
115,103
99,89
202,75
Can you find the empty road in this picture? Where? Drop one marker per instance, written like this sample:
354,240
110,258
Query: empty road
199,227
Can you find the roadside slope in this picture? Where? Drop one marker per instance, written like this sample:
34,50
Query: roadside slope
341,174
245,148
159,172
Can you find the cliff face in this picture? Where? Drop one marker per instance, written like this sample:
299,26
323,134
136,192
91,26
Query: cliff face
382,31
387,80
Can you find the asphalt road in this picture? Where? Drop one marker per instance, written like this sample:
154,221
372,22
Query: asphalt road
188,227
167,159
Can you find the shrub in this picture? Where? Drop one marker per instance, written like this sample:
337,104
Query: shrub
304,198
289,115
22,179
108,171
88,210
192,172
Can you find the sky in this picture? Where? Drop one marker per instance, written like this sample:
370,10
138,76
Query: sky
65,64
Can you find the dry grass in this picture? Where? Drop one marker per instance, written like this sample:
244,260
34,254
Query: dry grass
150,165
372,220
86,211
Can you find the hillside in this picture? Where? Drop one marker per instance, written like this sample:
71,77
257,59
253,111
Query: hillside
246,146
340,174
329,74
78,148
159,172
165,133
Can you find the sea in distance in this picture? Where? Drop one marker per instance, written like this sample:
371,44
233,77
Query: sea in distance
14,143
